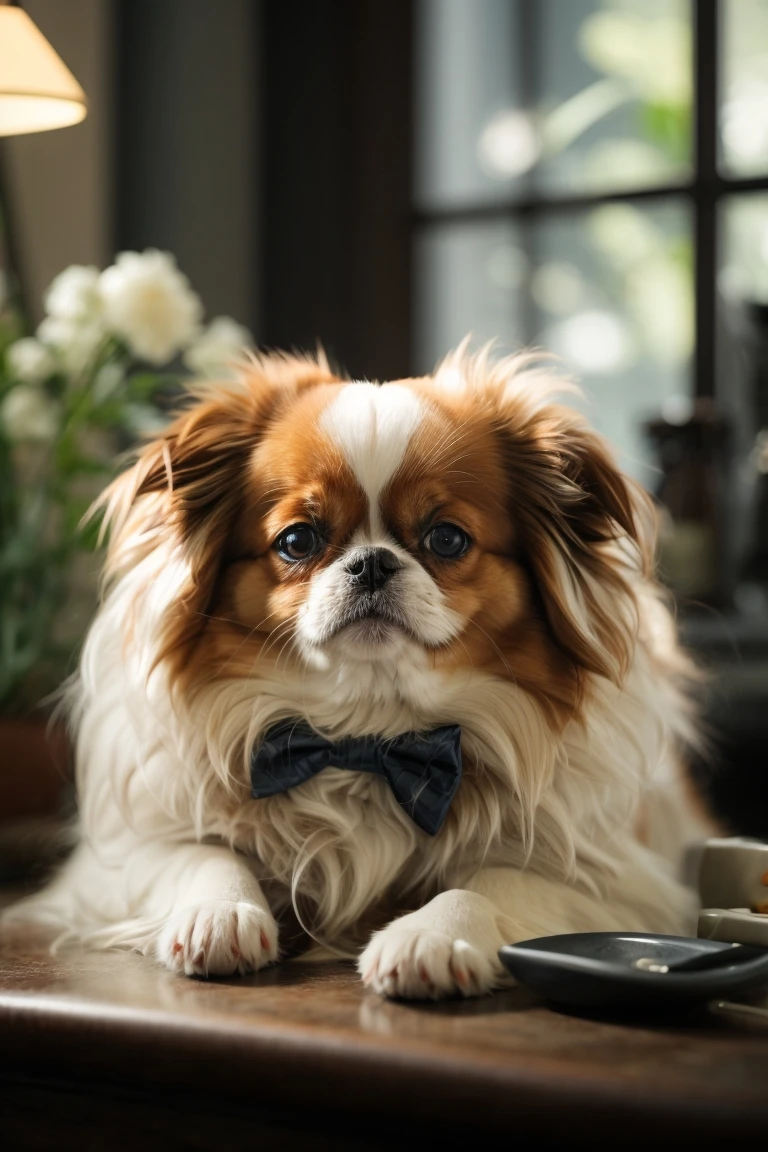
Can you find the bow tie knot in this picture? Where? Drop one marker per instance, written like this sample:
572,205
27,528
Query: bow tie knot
423,769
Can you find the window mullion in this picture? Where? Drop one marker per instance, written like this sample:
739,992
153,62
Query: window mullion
705,194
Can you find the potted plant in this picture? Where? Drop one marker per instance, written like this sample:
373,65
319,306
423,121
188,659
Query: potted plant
99,374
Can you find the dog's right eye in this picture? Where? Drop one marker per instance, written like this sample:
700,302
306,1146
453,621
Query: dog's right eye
298,542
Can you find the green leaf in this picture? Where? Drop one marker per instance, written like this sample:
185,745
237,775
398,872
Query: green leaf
669,127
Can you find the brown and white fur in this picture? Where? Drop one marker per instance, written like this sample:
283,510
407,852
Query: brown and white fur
548,642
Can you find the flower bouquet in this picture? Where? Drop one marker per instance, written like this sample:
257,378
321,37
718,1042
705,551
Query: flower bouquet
99,374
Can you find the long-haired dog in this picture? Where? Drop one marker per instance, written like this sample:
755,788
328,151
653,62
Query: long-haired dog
456,553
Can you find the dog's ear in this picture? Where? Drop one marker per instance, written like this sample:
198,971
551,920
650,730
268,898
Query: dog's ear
192,475
199,463
176,507
586,531
188,483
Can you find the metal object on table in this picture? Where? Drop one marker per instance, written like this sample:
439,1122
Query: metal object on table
600,970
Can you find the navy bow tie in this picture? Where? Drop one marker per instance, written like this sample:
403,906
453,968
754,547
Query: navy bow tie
423,769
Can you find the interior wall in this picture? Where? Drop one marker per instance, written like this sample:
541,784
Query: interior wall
337,197
60,182
188,147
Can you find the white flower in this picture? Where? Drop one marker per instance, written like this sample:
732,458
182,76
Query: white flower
28,414
73,343
74,328
150,304
217,346
29,361
74,294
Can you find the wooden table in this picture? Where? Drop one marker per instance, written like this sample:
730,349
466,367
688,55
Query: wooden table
106,1051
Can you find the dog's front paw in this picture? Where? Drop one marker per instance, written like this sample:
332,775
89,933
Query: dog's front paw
217,939
425,963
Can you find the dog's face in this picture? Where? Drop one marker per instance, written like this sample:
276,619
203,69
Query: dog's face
377,523
462,520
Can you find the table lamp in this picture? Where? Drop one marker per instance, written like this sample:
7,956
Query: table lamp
37,90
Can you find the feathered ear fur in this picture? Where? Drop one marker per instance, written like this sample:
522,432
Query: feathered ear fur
187,485
196,465
587,532
583,525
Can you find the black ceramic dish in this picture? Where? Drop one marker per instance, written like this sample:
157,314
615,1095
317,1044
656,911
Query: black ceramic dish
599,970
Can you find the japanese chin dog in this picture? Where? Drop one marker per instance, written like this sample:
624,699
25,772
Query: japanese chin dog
389,659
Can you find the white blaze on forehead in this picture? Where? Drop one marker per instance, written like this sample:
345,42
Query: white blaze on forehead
372,425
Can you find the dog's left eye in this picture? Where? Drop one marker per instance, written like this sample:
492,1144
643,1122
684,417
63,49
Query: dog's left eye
298,542
447,541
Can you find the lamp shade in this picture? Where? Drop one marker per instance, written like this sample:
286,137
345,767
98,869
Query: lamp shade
37,90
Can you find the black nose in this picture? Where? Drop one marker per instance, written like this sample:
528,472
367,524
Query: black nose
372,568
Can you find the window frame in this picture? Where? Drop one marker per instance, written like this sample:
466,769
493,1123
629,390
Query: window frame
704,191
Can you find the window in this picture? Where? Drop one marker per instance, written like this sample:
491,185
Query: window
591,177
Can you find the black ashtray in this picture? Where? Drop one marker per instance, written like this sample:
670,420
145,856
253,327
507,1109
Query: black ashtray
606,970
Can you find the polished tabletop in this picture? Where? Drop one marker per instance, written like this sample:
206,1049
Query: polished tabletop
303,1044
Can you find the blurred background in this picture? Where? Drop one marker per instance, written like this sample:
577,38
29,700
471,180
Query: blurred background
386,176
